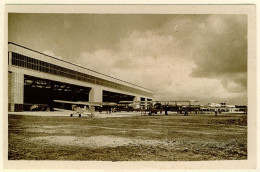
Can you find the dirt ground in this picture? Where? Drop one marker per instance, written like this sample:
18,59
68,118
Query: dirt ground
130,138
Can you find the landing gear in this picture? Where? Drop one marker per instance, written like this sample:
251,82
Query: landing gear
71,115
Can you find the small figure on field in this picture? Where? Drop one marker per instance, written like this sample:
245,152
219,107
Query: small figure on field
185,112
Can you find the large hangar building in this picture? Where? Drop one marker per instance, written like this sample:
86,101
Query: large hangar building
37,78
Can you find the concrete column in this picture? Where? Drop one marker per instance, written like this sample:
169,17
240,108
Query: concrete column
145,104
15,91
137,98
149,104
9,58
96,94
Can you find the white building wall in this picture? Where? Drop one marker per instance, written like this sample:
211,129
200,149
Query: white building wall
16,90
96,94
137,98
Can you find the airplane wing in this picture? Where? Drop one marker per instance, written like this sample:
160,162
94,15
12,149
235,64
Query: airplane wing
105,103
183,101
77,103
136,102
159,101
90,103
126,101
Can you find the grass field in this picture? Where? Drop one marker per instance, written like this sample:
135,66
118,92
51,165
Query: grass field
148,138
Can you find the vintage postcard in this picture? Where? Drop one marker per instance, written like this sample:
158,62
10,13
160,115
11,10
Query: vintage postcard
130,87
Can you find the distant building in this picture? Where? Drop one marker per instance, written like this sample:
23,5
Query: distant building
224,107
214,105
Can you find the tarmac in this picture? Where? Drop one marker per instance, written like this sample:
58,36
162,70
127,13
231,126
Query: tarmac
66,113
104,114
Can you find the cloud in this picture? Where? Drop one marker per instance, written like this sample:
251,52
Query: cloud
50,53
205,60
222,52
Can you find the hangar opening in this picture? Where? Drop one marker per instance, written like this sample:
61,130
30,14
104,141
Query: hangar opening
109,96
44,91
142,104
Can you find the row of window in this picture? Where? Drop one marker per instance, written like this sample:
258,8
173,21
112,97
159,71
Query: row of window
34,64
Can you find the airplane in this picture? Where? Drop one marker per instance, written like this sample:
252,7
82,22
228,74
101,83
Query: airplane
90,111
159,106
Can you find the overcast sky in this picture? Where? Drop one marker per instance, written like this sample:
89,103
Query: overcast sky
204,59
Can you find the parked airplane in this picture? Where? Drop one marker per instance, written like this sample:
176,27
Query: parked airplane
159,106
90,110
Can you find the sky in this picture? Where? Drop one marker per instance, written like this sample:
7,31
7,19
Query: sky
202,57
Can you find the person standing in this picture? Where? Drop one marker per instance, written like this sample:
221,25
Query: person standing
216,112
166,110
185,112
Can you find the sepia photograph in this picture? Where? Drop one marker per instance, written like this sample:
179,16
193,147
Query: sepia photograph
128,86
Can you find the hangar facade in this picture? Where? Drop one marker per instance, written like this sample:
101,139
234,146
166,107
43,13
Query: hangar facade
37,78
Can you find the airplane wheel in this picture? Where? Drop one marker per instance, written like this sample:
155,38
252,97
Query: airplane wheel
79,115
71,115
